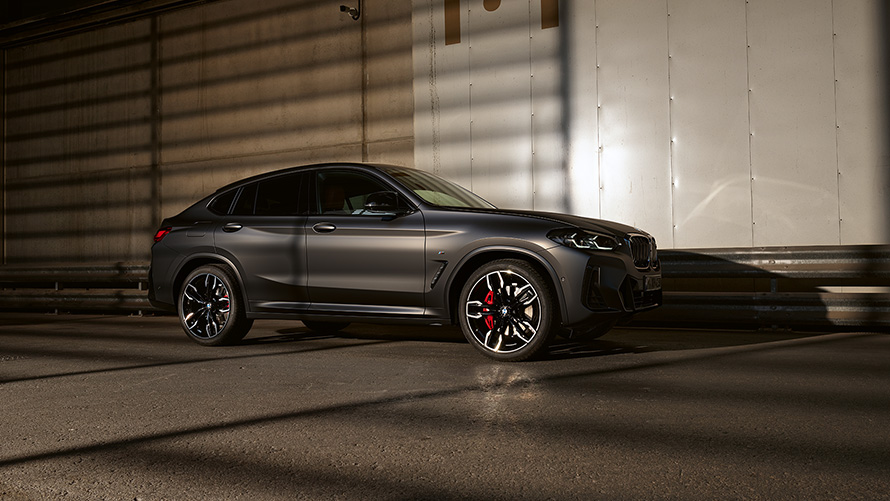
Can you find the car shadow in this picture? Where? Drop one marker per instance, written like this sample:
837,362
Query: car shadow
619,341
287,336
628,340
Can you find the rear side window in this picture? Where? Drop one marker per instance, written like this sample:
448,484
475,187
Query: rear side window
223,203
246,201
278,196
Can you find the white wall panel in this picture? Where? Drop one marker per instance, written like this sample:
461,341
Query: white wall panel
578,20
862,115
500,103
441,94
548,69
793,147
634,115
709,124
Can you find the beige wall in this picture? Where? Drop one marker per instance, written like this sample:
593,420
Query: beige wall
111,130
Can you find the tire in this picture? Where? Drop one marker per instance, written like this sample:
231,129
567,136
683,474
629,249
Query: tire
211,308
507,310
325,327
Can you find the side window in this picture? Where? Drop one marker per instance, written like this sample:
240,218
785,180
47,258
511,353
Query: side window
223,203
278,196
246,201
345,192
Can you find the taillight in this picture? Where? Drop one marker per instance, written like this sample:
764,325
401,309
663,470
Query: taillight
162,233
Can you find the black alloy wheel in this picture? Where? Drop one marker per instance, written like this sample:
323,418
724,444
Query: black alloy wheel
211,310
507,311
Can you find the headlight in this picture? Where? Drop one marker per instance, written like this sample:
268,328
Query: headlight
582,239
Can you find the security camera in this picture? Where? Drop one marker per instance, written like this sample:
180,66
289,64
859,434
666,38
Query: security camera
352,11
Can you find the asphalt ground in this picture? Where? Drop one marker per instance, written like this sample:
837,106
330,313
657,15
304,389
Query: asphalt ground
115,407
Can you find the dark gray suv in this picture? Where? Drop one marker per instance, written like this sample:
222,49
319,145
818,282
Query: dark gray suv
338,243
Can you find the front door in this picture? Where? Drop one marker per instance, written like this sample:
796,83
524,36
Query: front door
361,261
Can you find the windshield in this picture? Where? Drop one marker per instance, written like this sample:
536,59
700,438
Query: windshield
437,191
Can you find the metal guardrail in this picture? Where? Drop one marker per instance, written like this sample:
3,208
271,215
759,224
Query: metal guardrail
796,287
793,287
75,287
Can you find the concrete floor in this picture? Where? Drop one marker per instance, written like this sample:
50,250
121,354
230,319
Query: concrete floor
104,407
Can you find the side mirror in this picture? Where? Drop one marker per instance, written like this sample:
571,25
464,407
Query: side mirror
383,201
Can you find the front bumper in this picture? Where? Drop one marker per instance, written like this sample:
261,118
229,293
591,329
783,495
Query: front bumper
603,286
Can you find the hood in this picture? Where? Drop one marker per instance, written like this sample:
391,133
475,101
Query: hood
586,223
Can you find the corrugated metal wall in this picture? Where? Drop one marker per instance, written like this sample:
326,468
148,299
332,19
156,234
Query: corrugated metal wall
710,123
109,130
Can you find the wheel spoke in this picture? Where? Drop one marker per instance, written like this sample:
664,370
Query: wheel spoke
477,309
195,295
526,295
191,325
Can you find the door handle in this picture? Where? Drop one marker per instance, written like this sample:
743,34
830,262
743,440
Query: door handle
231,227
323,228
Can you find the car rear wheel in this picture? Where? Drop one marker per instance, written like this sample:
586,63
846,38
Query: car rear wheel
325,327
507,310
211,310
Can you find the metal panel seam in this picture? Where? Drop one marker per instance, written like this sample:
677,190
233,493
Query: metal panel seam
667,8
470,91
837,155
531,100
599,106
750,132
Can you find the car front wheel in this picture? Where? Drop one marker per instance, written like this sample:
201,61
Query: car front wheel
507,310
211,310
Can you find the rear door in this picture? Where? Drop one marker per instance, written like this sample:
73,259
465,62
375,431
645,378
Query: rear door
264,235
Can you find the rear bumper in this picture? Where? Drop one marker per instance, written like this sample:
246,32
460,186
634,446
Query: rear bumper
152,297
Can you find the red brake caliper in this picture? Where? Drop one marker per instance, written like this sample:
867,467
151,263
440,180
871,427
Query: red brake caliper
489,320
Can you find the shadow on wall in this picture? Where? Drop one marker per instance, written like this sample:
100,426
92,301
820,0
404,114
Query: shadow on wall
110,130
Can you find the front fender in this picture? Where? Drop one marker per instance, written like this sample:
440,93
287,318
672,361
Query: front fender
476,257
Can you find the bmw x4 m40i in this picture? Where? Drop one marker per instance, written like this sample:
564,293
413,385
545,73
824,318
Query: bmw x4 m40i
338,243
